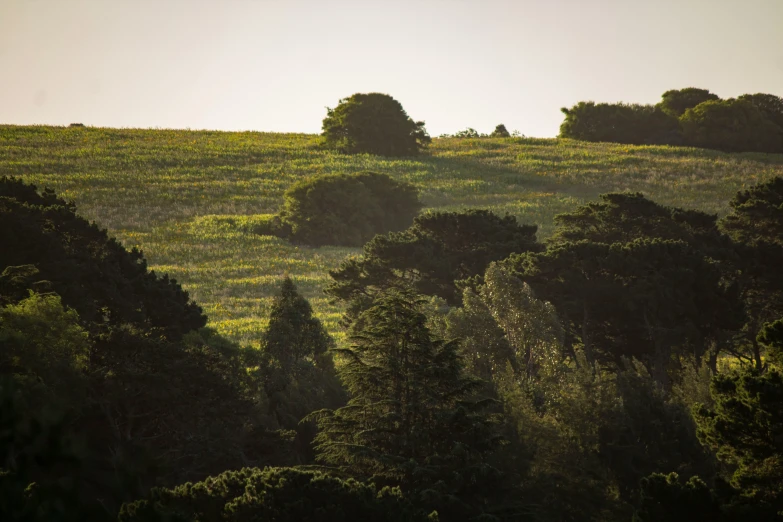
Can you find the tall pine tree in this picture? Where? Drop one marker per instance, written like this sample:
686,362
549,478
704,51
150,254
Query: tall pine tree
412,419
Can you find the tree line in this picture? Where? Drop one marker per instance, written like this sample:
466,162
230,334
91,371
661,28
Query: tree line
691,117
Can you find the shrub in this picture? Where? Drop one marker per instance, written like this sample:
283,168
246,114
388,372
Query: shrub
500,132
730,126
373,123
619,123
281,494
347,209
676,101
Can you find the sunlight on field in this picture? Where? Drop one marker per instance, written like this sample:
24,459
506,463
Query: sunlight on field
189,199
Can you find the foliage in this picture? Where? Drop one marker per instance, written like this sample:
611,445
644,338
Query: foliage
731,126
676,101
410,420
500,132
279,494
770,105
373,123
619,123
92,273
757,213
666,497
437,250
650,299
347,209
745,429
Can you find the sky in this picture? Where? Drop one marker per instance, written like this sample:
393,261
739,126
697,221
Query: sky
275,65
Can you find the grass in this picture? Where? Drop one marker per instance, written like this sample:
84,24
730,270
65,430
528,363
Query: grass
189,199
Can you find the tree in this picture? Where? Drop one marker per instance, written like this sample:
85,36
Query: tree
645,299
676,101
730,126
279,494
296,370
373,123
757,213
293,333
745,429
437,250
770,105
93,274
500,132
410,420
347,209
619,123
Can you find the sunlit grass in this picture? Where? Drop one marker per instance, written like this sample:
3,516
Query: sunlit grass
190,199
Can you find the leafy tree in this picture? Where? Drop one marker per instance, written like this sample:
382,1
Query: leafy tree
373,123
756,225
437,250
757,213
770,105
626,217
500,132
279,494
347,209
731,126
676,101
745,429
645,299
92,273
410,420
619,123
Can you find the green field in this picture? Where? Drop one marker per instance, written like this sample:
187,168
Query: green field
188,198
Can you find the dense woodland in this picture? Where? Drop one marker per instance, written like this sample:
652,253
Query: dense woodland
628,368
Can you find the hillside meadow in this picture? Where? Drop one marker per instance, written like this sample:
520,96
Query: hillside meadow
189,199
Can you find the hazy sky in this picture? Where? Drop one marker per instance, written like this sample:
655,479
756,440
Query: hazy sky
275,65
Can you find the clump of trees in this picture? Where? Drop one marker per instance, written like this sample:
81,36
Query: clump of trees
345,209
373,123
691,116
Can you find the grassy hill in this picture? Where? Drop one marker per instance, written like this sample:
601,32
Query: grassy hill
188,199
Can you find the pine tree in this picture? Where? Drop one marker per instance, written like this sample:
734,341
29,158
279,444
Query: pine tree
411,420
293,333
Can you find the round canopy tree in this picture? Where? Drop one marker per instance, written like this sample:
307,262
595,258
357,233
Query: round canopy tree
373,123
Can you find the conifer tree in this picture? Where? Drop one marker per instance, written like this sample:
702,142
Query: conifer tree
293,333
410,421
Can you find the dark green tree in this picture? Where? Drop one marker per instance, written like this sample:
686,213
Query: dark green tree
93,273
745,429
730,126
373,123
297,373
757,213
770,105
347,209
437,250
619,123
676,101
411,419
500,132
279,494
648,299
772,336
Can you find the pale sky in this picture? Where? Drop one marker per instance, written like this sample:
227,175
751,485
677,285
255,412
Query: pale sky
275,65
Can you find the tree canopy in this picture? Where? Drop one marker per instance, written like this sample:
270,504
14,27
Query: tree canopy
373,123
347,209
